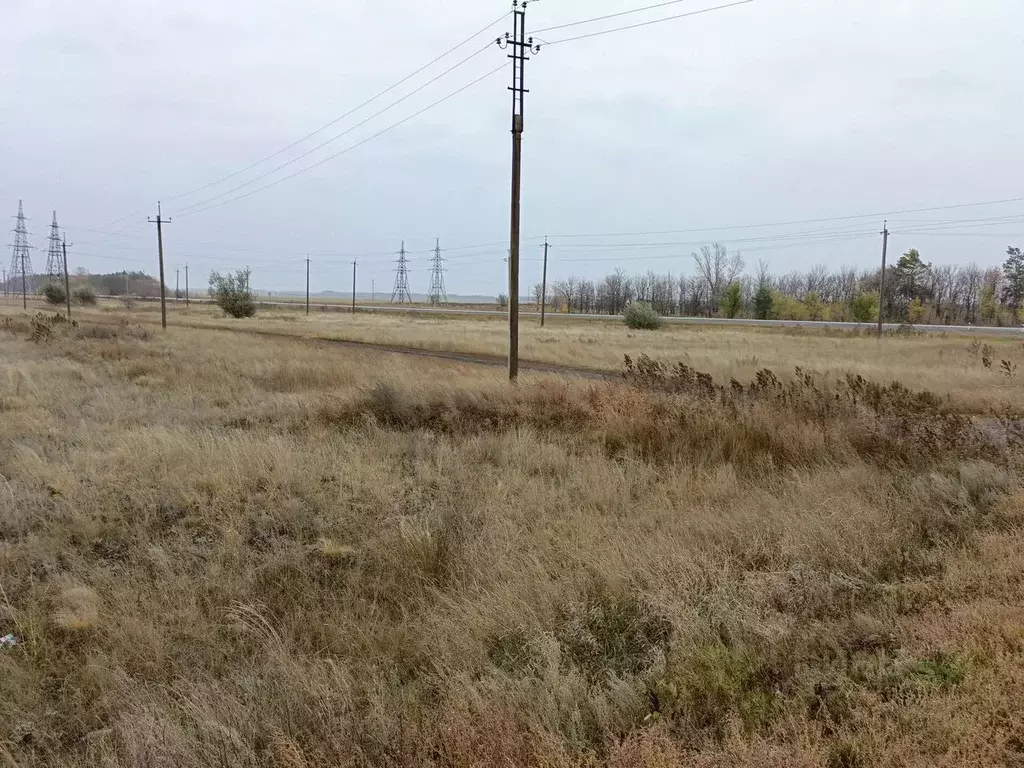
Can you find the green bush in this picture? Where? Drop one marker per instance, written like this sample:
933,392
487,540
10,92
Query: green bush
54,293
85,295
763,302
231,293
642,316
865,308
732,301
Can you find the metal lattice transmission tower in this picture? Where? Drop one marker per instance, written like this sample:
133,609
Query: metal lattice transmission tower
20,274
401,293
54,257
437,294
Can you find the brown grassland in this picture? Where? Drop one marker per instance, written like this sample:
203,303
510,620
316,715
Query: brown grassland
221,549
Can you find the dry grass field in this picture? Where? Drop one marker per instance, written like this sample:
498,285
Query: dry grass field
222,549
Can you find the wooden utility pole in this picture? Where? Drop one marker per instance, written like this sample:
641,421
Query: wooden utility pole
186,286
521,46
160,221
881,281
307,285
354,263
544,284
67,280
177,284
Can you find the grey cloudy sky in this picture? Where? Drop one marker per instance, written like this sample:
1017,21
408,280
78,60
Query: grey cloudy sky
779,110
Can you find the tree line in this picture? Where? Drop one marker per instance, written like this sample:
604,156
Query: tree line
915,291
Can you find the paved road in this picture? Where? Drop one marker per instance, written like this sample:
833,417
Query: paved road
968,329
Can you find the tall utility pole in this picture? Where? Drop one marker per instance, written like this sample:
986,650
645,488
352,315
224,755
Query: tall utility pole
544,284
401,291
21,263
177,284
437,295
881,282
53,268
186,286
354,264
307,285
67,280
160,221
521,46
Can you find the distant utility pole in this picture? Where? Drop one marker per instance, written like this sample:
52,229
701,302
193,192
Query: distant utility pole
437,295
544,284
5,281
401,292
881,282
126,293
520,45
354,264
67,280
186,286
160,221
373,289
177,284
21,263
53,269
307,285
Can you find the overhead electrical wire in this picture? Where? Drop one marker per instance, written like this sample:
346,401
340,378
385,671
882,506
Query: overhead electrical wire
347,149
608,16
351,112
325,126
646,23
334,138
879,215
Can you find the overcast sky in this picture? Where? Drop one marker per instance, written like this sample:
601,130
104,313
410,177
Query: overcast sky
779,110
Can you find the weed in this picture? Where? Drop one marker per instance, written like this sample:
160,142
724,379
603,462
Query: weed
941,670
612,632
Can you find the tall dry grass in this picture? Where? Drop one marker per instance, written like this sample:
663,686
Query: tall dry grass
945,364
232,551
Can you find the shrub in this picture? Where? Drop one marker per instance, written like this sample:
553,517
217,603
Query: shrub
763,302
54,293
231,293
732,301
865,308
642,316
85,296
502,301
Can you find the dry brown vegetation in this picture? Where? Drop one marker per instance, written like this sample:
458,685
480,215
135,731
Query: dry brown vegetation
948,365
218,549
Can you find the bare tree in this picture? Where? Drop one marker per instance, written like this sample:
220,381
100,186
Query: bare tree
717,269
764,274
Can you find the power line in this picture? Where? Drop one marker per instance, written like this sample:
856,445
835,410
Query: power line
351,112
334,138
608,16
350,148
649,23
322,128
756,249
881,214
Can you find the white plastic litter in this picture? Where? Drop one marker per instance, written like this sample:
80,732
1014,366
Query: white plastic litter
8,641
